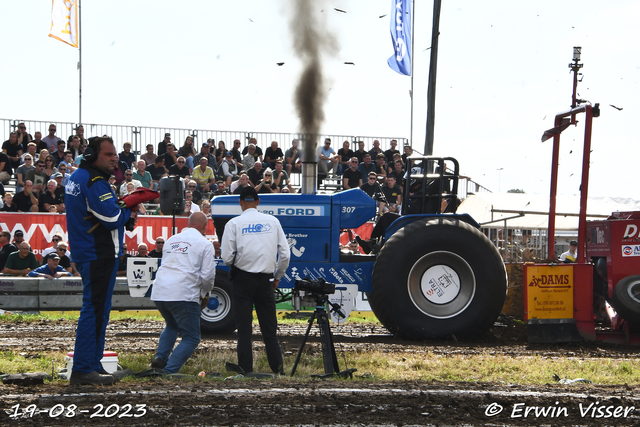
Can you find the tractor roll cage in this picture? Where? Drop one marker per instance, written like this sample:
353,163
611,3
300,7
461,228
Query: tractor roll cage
431,183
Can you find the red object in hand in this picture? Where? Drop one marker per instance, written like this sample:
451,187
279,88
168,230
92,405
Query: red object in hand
139,195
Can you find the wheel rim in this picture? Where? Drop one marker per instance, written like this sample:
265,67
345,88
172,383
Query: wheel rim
219,306
441,284
633,289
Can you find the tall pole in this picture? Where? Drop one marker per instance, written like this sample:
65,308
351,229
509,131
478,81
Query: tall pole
431,91
79,65
413,60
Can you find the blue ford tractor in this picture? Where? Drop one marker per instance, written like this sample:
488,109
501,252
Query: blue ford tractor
431,273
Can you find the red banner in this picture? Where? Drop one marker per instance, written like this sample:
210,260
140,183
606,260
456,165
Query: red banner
39,228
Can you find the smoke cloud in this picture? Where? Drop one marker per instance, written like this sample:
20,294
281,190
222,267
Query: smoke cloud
310,41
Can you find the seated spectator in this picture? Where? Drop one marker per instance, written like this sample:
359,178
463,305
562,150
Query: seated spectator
189,206
250,158
216,248
157,171
235,154
6,247
162,145
18,237
267,185
256,173
170,157
32,150
366,166
38,177
127,156
40,144
122,265
65,259
240,184
5,169
26,200
376,149
23,136
351,177
229,168
149,157
272,155
258,152
49,169
50,197
280,177
397,172
407,152
205,208
344,157
360,152
128,178
143,176
74,146
68,162
327,158
112,183
13,149
381,166
55,241
205,151
203,175
21,172
220,190
143,251
393,194
179,168
292,161
391,151
22,262
370,187
188,152
220,151
52,269
157,252
9,206
58,155
197,196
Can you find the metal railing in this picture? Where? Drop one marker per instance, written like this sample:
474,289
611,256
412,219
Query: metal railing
140,136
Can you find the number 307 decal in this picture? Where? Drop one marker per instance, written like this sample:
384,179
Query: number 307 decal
348,209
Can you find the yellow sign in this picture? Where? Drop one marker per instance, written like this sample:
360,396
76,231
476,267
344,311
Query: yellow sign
549,292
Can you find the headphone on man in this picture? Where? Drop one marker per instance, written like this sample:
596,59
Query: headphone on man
90,153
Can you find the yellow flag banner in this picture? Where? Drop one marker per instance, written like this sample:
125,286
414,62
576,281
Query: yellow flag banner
64,21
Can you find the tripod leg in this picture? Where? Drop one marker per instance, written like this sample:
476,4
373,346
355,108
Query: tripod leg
329,357
304,340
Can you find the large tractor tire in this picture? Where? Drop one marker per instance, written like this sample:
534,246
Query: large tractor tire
626,300
217,316
436,278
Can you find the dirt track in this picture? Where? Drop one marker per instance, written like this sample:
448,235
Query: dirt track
287,402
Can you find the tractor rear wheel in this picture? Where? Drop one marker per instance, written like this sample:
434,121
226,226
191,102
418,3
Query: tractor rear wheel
626,300
436,278
217,317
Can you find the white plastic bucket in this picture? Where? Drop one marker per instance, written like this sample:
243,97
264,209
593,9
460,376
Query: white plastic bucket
109,362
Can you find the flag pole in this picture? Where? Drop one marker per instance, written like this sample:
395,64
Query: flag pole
413,59
79,65
431,91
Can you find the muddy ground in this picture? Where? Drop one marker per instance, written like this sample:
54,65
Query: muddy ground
321,402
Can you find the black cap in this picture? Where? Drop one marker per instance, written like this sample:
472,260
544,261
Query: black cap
573,243
249,194
18,233
167,135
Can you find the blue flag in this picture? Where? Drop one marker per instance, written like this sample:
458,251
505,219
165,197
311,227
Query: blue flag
400,61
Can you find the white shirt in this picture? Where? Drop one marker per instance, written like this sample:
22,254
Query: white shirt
51,249
254,240
188,268
123,187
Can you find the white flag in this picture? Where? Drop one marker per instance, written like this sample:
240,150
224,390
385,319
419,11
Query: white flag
64,21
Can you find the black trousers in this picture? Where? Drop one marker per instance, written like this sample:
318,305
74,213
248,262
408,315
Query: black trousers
249,290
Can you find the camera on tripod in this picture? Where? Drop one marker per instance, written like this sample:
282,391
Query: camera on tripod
314,292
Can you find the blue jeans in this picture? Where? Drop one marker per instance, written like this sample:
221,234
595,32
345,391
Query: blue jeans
181,317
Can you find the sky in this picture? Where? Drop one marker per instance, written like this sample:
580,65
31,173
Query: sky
206,64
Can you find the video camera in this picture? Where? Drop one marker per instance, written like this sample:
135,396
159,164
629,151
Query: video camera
319,286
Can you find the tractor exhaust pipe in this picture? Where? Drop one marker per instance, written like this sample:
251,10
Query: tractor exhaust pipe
309,144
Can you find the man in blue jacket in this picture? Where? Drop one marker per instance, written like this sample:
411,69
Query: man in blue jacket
91,202
51,270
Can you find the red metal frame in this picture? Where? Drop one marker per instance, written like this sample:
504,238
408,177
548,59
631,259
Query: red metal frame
584,187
